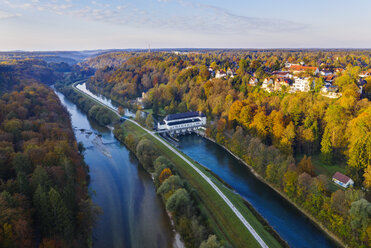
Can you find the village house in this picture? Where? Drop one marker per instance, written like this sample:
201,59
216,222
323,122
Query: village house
365,74
230,73
296,69
282,74
329,79
220,74
268,84
329,88
281,82
326,73
342,180
253,81
301,84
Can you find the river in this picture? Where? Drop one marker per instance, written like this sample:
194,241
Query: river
288,221
133,214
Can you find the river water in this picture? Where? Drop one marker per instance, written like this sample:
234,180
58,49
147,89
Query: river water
295,228
133,215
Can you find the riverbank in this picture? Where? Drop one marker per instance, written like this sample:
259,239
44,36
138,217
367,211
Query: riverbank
303,211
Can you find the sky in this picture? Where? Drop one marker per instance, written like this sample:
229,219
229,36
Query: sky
119,24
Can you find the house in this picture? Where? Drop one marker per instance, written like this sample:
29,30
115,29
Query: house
182,122
329,88
365,74
301,84
281,82
253,81
220,74
342,180
281,74
296,69
268,84
329,79
230,73
326,73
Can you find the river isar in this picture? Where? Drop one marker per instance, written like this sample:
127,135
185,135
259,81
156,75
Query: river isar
133,214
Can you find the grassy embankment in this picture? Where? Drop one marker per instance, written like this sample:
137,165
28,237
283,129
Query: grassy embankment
221,218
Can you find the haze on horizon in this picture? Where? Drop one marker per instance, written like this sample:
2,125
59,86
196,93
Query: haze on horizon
86,25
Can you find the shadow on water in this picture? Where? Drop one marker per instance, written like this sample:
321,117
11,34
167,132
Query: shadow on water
289,222
133,214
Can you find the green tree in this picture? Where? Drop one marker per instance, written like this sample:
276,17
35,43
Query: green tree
149,122
211,242
179,202
359,213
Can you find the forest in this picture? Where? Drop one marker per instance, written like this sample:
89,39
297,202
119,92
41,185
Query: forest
44,200
295,141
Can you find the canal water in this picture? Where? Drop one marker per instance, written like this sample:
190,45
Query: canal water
295,228
133,215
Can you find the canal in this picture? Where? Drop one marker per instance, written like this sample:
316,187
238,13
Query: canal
133,214
289,222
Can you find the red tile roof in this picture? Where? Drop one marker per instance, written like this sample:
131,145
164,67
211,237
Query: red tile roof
341,177
302,68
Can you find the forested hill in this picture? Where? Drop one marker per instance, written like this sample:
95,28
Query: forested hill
43,179
295,139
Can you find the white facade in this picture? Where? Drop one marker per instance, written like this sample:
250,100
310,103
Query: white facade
301,84
220,74
184,122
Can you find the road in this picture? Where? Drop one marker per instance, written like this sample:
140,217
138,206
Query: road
207,179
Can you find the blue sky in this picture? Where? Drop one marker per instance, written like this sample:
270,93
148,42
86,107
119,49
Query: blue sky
98,24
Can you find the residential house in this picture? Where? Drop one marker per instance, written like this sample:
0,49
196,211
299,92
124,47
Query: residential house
326,73
230,73
268,84
282,74
220,74
281,82
253,81
301,84
365,74
329,79
342,180
296,69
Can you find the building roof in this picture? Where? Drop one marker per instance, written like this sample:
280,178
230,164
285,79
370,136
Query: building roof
341,177
302,68
172,117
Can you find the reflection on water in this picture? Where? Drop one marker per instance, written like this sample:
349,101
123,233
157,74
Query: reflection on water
296,229
134,215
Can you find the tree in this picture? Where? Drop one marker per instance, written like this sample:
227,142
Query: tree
359,213
178,202
235,110
367,176
146,153
149,122
326,147
305,165
211,242
165,174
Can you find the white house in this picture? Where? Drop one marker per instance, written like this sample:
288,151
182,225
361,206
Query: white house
301,84
342,180
220,74
182,122
253,81
326,73
282,74
268,84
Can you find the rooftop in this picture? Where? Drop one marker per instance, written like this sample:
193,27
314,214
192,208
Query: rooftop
341,177
172,117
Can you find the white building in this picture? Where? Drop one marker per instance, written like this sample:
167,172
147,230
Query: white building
253,81
326,73
220,74
268,84
301,84
182,122
342,180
